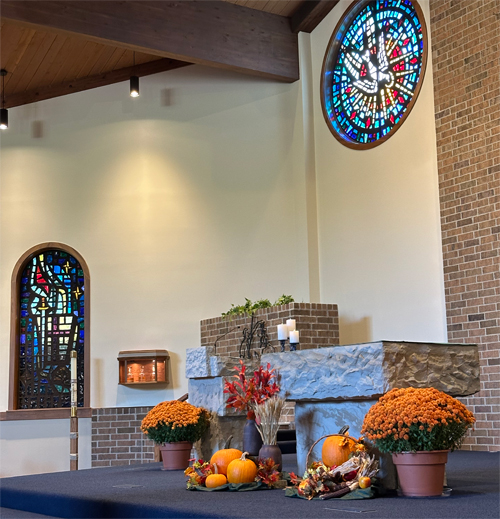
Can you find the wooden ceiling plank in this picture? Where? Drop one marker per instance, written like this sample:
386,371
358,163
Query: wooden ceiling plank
73,62
90,55
45,72
217,34
64,58
22,70
310,14
289,8
115,58
79,85
11,62
100,64
125,60
9,36
41,48
42,76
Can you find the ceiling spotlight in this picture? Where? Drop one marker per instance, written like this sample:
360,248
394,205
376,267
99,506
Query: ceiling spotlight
4,113
134,86
134,82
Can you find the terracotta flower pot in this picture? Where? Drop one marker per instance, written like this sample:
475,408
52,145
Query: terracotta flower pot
421,474
175,456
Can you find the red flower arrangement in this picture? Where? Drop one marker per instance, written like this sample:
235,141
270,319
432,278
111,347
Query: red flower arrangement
248,392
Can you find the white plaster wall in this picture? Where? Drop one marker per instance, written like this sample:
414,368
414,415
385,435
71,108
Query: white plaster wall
41,446
200,193
182,202
378,219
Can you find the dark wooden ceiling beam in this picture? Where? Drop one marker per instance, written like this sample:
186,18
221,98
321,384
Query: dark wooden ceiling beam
310,14
87,83
212,33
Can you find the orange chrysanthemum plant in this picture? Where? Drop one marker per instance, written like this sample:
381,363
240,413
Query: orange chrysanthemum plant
175,421
417,419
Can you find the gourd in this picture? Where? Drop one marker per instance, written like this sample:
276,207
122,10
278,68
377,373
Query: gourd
223,457
337,448
241,470
215,480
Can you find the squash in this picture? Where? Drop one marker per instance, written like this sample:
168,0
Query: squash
223,457
337,448
215,480
241,470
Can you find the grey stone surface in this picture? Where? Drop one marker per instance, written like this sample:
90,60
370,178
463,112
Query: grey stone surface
198,361
224,366
316,419
208,393
221,428
202,363
371,369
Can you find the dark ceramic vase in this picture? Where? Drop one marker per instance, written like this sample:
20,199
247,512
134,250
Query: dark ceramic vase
271,451
252,442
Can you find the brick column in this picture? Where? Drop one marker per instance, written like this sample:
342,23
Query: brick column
466,68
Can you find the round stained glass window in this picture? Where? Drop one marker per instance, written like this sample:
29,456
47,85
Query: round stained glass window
373,69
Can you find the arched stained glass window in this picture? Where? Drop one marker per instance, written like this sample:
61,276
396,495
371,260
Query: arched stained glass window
373,70
51,285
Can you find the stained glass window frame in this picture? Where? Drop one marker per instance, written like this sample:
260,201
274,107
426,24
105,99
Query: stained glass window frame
16,283
330,60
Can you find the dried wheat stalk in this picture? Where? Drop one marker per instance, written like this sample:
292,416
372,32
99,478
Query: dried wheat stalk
268,415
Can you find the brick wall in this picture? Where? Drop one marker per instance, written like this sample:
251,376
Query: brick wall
466,63
117,438
318,325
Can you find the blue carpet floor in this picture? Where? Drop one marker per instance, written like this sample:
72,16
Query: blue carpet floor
145,491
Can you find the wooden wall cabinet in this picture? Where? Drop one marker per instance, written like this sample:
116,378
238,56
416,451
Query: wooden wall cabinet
143,367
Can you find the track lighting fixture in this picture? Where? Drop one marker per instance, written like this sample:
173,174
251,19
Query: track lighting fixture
4,113
134,86
134,83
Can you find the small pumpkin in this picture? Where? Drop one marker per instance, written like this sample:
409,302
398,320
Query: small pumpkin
337,448
215,480
223,457
241,470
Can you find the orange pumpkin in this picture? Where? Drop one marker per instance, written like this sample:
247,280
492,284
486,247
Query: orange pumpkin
215,480
336,449
222,458
241,470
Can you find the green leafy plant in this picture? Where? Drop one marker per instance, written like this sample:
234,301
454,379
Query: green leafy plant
417,419
250,307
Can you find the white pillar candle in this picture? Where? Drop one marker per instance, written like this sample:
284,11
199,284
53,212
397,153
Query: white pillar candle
291,324
73,365
294,337
282,332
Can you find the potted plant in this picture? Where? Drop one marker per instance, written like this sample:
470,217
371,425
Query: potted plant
174,426
419,426
245,393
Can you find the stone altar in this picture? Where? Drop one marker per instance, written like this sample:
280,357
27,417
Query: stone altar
333,386
336,386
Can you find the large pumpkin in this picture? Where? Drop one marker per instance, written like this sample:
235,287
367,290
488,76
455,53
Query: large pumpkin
241,470
336,449
223,457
